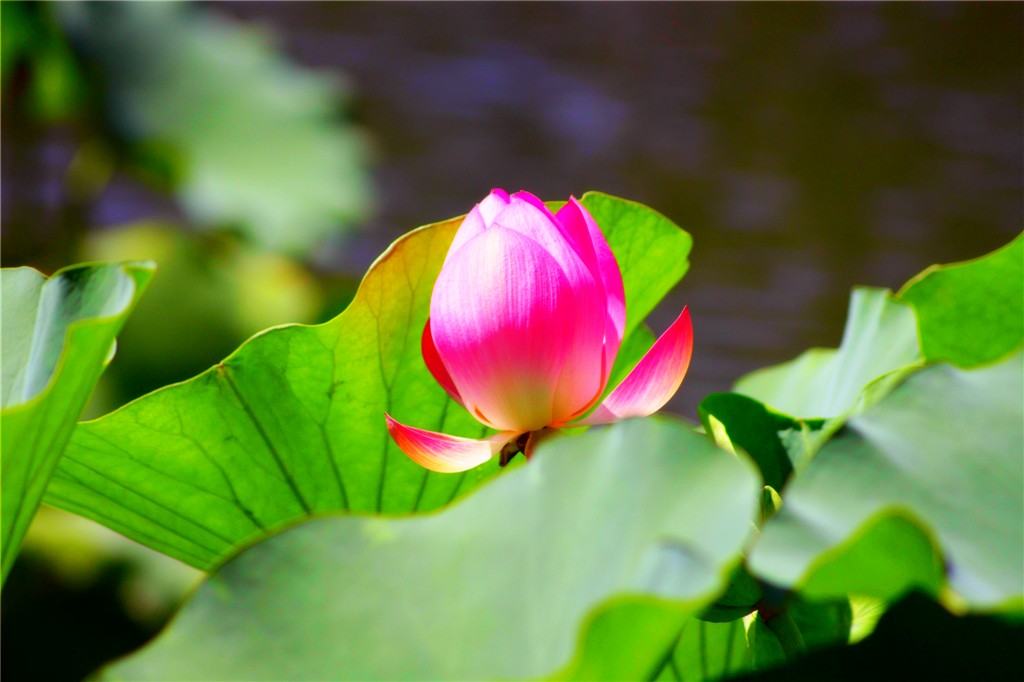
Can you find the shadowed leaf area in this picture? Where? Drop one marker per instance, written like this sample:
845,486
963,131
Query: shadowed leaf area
916,640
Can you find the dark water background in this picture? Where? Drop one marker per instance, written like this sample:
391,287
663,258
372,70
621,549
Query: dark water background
807,148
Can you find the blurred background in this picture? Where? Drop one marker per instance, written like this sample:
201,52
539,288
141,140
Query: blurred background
265,153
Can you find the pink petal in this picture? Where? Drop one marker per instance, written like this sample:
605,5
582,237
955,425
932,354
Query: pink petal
498,321
493,203
441,452
584,230
479,219
583,375
527,215
436,365
655,378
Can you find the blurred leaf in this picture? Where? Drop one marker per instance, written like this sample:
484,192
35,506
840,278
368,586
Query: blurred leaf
494,587
880,336
944,448
58,334
763,648
14,38
292,423
798,628
738,600
886,558
917,640
971,313
765,435
821,623
709,651
218,288
52,86
251,139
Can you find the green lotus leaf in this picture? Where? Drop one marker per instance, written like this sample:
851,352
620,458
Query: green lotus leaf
880,337
58,335
942,450
971,313
774,441
497,586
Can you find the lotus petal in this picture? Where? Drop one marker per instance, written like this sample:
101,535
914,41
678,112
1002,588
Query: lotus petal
654,380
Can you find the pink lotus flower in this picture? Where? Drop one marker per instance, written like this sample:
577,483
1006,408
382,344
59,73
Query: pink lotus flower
526,319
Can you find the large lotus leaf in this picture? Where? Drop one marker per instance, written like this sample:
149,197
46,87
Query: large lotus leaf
495,587
251,139
880,336
293,422
57,337
942,449
971,313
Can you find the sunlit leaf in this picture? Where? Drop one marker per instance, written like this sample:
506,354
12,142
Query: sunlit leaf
58,334
293,422
880,336
944,447
887,557
496,587
251,139
971,313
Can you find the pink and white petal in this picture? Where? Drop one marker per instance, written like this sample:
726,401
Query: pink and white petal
654,380
478,219
582,379
497,318
493,204
436,365
523,195
527,215
581,226
570,217
441,452
611,275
